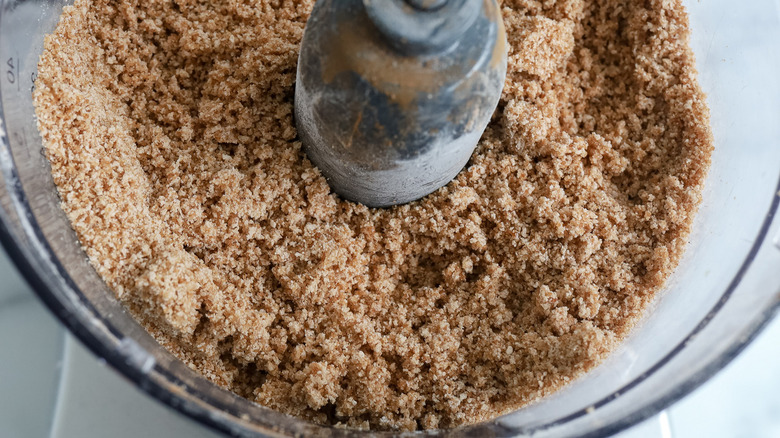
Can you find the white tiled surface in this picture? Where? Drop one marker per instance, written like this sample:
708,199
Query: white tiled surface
95,402
30,348
50,386
741,401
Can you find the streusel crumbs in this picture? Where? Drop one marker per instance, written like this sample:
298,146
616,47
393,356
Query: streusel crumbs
169,128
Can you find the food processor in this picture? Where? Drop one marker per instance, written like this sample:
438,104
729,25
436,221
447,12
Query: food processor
726,288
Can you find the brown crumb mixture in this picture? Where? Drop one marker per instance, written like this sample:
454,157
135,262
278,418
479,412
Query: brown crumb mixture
169,127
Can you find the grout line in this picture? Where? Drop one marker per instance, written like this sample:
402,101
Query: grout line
64,371
16,299
666,425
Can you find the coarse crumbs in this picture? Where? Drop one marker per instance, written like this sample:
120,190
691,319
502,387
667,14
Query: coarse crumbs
169,127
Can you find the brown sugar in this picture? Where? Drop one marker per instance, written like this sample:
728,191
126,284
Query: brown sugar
169,129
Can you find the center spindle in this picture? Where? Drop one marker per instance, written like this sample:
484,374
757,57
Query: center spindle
392,96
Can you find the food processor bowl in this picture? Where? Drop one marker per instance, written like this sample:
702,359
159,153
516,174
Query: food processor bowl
725,290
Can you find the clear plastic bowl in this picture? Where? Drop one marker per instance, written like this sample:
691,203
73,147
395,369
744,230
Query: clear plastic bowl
726,289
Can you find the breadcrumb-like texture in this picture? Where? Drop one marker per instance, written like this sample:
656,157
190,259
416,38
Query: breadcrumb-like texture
169,128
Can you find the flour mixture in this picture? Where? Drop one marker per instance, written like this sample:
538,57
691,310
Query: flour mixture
168,124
